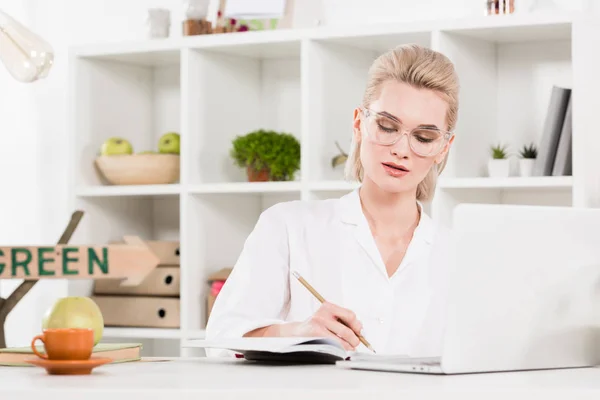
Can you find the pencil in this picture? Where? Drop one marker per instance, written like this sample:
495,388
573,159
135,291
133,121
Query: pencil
322,300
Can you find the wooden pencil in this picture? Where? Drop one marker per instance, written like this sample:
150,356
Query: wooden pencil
322,300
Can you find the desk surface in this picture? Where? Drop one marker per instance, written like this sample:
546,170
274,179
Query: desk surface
204,379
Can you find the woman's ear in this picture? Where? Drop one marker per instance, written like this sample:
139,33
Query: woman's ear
440,157
356,124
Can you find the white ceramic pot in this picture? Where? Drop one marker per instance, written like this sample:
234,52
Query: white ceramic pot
158,22
526,166
498,168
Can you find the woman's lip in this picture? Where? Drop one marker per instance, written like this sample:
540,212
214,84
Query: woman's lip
396,166
397,173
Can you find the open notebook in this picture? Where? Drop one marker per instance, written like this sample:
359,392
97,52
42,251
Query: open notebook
312,350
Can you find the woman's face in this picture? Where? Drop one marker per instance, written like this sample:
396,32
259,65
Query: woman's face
398,168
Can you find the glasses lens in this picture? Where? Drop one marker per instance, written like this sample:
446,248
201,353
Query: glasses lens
381,129
426,141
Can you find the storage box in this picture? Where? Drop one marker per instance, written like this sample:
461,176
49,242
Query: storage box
215,282
162,281
139,311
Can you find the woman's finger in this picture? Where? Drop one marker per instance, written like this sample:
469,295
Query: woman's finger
342,331
346,316
322,331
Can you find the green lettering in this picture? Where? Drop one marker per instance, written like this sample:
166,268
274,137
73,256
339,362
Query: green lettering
66,260
2,265
42,260
93,258
23,263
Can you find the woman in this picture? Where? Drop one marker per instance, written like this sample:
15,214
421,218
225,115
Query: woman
377,259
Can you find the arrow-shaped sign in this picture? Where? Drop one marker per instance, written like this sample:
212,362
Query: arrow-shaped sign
132,261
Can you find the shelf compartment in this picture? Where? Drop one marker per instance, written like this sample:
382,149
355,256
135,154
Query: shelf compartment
232,93
222,224
136,102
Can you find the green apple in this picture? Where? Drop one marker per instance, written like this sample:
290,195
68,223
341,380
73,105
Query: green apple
115,146
169,143
75,312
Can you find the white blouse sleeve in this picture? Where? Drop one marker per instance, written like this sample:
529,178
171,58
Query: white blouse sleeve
256,294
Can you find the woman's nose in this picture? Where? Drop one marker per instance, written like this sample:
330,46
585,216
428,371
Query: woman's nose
402,147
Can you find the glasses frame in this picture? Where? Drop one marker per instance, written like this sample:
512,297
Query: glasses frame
447,135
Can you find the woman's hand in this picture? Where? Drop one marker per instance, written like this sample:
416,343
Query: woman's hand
330,320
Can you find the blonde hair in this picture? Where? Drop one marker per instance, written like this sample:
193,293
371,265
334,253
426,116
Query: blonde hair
420,67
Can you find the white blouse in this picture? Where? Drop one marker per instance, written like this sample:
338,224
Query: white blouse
330,244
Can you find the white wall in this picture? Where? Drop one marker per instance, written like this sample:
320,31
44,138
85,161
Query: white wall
34,206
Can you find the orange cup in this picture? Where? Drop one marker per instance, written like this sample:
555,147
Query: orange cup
65,344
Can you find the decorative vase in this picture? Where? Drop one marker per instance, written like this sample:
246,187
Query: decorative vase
255,175
158,22
526,166
498,168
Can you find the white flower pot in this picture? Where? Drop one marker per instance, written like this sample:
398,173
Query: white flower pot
526,166
498,168
158,22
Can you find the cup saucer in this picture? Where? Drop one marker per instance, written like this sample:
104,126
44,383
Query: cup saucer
69,367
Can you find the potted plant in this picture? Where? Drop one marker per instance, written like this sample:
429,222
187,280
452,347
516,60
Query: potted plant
267,155
498,165
528,155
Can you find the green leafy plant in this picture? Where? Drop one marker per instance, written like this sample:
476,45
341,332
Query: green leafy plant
528,151
276,152
499,152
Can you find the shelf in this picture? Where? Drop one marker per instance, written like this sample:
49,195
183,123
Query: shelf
541,182
259,44
142,333
245,187
501,28
325,186
129,190
516,28
147,53
152,333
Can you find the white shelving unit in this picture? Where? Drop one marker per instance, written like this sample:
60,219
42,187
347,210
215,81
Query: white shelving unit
307,82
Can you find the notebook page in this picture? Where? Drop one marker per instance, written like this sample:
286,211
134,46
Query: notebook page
261,343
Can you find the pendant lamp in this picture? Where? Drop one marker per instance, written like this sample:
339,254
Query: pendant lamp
26,56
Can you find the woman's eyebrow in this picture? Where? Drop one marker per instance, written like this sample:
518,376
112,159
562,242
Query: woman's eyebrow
390,116
393,117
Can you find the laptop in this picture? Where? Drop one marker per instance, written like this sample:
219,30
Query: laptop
524,293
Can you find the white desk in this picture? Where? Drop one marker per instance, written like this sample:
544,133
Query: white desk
207,379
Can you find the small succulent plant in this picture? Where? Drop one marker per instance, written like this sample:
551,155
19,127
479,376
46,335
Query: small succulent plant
499,152
528,151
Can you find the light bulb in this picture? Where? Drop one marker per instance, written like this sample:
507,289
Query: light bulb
26,56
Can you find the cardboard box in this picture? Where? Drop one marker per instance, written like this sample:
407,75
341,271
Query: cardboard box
162,281
139,311
166,251
219,276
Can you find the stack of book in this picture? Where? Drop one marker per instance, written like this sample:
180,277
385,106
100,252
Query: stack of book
555,148
118,352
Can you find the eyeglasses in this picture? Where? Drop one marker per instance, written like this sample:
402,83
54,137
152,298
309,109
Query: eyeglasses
384,130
